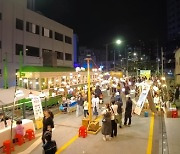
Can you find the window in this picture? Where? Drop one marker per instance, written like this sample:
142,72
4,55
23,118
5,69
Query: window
58,36
32,28
46,32
68,40
68,56
19,48
60,55
0,16
19,24
32,51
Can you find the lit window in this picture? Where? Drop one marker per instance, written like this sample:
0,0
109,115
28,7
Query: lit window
46,32
32,28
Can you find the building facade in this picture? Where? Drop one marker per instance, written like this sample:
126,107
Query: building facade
31,38
177,66
173,19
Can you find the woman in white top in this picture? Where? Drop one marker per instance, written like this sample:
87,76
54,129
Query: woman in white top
95,105
114,108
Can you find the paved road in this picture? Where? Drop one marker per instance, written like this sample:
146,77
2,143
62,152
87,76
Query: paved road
129,140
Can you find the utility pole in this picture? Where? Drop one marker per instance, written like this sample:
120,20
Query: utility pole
162,61
157,58
5,72
106,57
20,68
114,60
89,92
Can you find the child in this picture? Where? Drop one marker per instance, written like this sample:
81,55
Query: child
19,128
86,105
50,146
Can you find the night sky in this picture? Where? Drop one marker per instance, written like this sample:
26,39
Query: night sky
97,22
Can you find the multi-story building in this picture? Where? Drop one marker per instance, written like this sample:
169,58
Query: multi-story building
173,19
177,66
31,37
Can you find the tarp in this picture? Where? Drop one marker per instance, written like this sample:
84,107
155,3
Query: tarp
7,95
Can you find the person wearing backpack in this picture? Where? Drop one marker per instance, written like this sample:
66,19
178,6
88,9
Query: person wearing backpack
120,109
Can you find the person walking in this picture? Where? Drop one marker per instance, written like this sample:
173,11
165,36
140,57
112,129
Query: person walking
80,103
48,123
177,93
49,146
86,106
106,122
114,113
128,112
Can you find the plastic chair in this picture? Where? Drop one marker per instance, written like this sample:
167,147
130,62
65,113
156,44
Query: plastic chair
30,134
8,147
82,131
20,139
175,114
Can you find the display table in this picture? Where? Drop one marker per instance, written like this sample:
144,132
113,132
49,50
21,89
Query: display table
5,133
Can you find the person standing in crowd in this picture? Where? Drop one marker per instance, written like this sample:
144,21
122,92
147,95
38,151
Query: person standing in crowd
95,105
4,118
119,88
127,89
128,112
98,91
176,93
114,113
49,146
86,106
106,122
119,110
48,123
80,103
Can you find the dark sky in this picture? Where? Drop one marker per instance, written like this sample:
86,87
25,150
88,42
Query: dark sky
97,22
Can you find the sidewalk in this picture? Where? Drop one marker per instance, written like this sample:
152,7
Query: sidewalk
173,134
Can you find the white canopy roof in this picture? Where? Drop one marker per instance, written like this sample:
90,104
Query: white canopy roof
7,95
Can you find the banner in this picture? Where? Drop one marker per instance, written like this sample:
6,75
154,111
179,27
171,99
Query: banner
37,108
146,73
142,98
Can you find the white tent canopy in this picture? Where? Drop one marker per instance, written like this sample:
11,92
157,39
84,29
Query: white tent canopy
7,95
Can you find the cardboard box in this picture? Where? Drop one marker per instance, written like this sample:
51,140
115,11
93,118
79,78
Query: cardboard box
169,114
94,126
85,122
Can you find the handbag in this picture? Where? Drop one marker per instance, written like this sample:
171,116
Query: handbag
115,117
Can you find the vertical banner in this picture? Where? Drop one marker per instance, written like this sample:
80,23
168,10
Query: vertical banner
142,98
38,111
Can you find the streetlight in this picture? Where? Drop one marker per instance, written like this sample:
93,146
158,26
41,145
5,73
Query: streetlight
118,42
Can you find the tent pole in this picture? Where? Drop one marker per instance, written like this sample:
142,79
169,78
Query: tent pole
13,111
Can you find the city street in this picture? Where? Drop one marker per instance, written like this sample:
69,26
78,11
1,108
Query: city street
129,139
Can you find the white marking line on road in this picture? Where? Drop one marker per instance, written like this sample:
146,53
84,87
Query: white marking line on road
33,146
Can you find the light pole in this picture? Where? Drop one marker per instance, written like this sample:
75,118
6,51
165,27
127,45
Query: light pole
117,42
89,92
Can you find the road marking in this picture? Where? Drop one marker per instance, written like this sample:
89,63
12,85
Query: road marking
150,138
67,144
72,139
